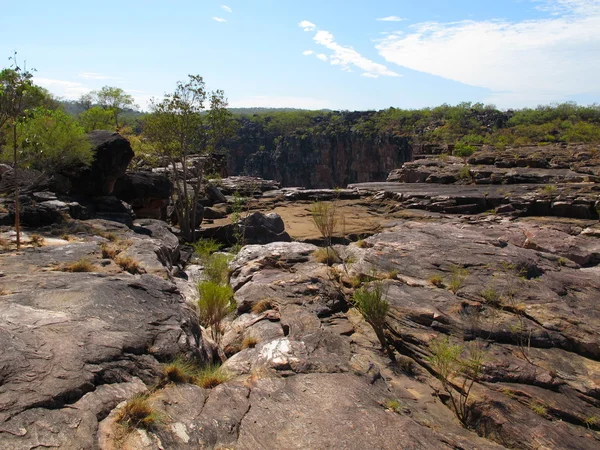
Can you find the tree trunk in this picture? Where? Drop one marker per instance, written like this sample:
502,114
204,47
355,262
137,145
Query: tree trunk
16,178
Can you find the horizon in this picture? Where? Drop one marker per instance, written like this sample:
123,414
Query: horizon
511,54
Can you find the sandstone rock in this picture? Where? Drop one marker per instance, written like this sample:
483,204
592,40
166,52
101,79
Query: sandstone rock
147,193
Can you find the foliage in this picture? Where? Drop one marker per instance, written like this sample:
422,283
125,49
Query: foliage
203,248
216,268
50,141
449,361
180,370
326,256
214,303
112,99
393,405
458,275
211,376
372,304
189,121
325,218
96,118
464,151
538,408
128,264
436,280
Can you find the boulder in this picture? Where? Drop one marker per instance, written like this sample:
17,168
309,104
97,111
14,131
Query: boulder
148,193
257,228
112,155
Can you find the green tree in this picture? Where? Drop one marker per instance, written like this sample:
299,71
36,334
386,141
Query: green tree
113,99
96,118
51,141
190,121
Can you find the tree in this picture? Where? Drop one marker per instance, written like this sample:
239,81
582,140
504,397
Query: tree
182,125
17,92
96,118
51,141
112,99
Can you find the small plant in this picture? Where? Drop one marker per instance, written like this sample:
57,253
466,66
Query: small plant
361,243
464,151
36,240
211,376
539,409
81,265
128,264
458,275
326,256
138,413
203,248
591,421
562,261
508,392
391,275
464,173
549,189
263,305
436,280
370,301
215,302
216,268
109,251
325,218
490,295
249,342
112,237
448,362
393,405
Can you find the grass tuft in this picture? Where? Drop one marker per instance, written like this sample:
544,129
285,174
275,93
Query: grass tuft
249,342
138,413
458,275
263,305
36,240
179,371
393,405
539,409
436,280
81,265
128,264
326,256
211,376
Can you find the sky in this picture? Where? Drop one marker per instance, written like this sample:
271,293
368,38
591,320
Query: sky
325,54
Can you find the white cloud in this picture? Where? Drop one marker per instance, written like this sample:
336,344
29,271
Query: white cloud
226,8
307,26
391,19
61,88
219,19
368,75
521,62
280,102
345,57
96,76
307,52
322,57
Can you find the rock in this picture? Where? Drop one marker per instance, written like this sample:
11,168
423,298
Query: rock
257,228
111,208
112,155
247,186
214,213
148,193
214,194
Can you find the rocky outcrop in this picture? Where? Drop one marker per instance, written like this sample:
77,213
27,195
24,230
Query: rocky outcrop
112,155
148,193
256,228
322,160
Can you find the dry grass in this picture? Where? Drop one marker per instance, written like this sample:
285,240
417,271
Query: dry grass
436,280
361,243
326,256
36,240
249,342
138,413
179,371
211,376
5,244
263,305
128,264
81,265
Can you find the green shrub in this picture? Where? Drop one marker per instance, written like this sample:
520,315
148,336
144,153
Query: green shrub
370,301
325,218
214,303
458,275
463,151
436,280
216,268
203,248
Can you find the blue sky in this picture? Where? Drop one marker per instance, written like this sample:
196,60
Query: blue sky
337,54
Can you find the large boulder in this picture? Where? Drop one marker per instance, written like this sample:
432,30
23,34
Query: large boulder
112,155
257,228
148,193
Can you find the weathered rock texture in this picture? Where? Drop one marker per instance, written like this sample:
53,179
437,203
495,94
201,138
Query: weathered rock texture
321,160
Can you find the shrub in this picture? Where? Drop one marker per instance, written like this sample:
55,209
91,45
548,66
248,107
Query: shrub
458,275
326,256
464,173
464,151
128,264
216,268
436,280
370,301
215,302
325,218
448,363
211,376
490,295
109,251
81,265
393,405
549,189
138,413
539,409
203,248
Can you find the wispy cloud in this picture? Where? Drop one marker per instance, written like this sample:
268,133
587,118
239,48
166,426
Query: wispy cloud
391,19
219,19
307,26
322,57
226,8
259,101
96,76
307,52
62,88
521,62
345,57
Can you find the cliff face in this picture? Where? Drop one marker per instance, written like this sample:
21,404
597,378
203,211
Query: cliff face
323,160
